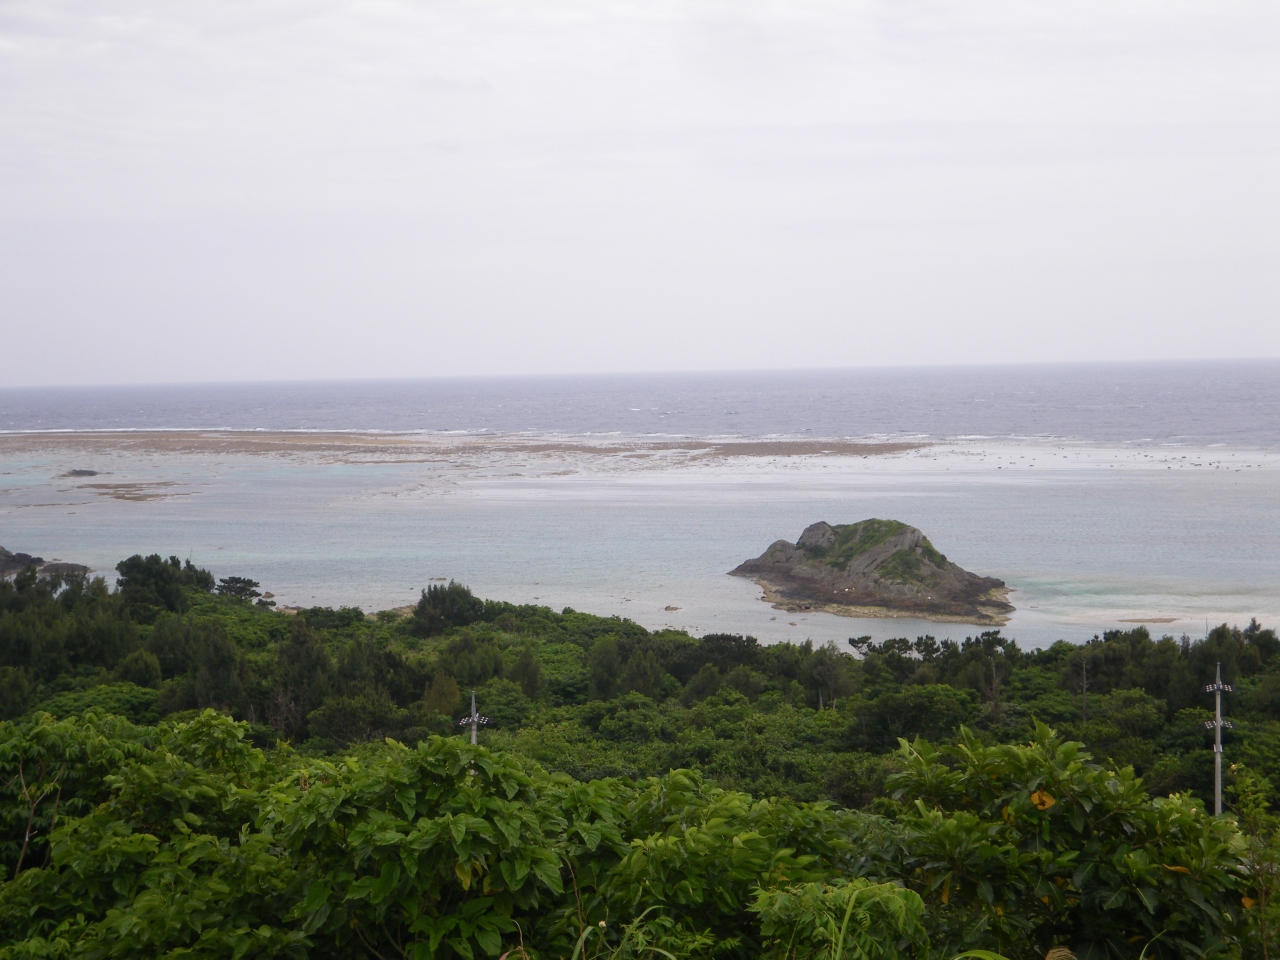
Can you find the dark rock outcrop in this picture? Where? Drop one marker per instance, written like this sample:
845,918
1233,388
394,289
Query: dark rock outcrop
875,568
13,563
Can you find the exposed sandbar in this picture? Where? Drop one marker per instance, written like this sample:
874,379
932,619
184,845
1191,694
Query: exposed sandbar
371,447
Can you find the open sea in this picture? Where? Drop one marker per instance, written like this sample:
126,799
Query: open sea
1105,495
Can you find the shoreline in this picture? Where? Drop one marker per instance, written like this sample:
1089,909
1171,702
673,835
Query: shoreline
779,602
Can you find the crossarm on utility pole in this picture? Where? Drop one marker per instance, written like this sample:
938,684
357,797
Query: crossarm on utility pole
473,720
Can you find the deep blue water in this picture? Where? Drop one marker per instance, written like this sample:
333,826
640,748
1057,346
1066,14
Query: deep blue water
1198,404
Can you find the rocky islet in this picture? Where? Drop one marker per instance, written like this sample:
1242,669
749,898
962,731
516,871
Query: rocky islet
874,568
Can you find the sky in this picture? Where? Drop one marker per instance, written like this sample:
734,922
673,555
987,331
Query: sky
281,189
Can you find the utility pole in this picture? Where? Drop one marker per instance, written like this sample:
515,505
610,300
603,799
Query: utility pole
1217,688
474,720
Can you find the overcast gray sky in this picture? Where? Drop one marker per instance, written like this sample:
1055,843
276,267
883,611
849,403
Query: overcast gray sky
287,189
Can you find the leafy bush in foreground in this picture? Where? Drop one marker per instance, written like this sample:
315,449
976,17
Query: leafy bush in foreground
196,843
1020,847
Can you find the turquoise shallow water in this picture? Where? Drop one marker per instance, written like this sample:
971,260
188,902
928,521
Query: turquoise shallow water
1087,535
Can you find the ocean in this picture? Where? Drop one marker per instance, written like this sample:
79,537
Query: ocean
1104,495
1221,402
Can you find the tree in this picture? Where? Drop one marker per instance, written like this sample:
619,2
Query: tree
504,703
17,692
472,659
442,695
141,667
239,588
305,676
218,673
173,641
703,684
148,584
644,674
441,607
606,666
527,672
746,681
934,711
213,674
369,714
827,674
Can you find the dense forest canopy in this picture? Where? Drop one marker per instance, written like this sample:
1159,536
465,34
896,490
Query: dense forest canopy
185,768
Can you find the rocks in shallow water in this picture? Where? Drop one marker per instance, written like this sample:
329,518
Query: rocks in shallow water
62,569
11,563
874,568
14,563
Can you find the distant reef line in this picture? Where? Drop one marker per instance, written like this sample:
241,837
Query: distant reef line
405,445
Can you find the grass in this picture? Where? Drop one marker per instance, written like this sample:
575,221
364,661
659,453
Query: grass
855,539
903,566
